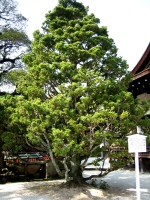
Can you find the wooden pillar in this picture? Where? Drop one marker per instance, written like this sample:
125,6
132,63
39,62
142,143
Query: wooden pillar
25,169
141,165
44,169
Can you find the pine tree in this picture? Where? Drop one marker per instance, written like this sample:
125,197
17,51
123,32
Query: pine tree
74,96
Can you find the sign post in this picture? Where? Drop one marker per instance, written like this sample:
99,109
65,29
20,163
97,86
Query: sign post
137,143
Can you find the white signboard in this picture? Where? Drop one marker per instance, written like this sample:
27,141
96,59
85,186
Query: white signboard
136,143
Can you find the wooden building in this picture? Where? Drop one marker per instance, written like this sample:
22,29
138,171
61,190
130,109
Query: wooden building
140,88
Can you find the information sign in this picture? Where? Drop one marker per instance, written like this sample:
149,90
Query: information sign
136,143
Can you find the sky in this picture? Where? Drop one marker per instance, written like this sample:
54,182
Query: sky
127,21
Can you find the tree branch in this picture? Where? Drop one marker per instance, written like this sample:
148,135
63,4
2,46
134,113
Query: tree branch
26,140
9,60
66,168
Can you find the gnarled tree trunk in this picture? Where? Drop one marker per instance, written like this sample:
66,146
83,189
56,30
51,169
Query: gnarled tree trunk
75,173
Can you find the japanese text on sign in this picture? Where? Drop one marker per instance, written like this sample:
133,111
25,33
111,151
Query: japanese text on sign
137,145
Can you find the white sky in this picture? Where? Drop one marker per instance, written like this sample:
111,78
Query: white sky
128,22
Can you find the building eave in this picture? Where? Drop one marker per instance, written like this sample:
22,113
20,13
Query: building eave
141,61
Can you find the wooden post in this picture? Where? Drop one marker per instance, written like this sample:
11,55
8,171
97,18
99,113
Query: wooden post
25,169
141,165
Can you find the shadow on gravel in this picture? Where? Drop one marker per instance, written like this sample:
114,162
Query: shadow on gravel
121,187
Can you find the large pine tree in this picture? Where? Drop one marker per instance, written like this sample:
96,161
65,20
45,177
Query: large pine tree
74,96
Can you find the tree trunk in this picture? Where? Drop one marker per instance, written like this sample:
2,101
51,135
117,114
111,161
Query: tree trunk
60,174
47,144
75,173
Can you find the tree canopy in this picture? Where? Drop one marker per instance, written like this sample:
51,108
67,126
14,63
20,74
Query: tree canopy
13,38
14,43
75,93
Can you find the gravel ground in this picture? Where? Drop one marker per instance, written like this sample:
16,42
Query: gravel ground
123,185
121,182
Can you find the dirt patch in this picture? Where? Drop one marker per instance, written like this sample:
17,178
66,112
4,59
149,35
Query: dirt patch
58,191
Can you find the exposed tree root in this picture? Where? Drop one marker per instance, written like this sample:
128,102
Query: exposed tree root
72,184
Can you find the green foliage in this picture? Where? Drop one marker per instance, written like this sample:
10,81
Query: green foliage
101,185
13,39
74,94
11,132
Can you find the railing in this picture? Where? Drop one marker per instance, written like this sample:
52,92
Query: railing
28,157
144,155
141,154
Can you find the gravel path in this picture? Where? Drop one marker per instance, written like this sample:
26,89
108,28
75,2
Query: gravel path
123,185
25,191
121,182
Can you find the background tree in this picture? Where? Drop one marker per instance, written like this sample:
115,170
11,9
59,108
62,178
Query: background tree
13,39
74,95
13,44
